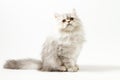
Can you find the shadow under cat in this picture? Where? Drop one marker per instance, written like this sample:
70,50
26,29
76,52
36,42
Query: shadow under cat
98,68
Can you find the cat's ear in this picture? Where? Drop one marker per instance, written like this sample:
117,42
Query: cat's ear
74,12
57,16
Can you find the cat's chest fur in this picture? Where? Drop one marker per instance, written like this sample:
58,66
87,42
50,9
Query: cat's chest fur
71,39
69,44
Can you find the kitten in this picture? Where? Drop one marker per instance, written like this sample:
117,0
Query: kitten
58,54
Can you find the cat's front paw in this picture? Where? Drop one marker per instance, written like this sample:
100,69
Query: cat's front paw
61,69
73,69
77,66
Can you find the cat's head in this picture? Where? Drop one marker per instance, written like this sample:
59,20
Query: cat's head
68,22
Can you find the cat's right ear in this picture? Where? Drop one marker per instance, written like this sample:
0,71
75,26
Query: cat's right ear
57,16
74,12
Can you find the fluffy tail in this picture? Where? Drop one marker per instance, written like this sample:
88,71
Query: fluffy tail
23,64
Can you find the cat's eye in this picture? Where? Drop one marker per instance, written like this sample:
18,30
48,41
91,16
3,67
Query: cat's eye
63,20
71,18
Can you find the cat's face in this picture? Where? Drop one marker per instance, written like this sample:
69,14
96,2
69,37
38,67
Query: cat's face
68,22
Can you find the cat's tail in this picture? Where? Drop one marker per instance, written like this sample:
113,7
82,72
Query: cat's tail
23,64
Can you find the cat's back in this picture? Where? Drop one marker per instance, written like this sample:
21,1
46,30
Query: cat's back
49,46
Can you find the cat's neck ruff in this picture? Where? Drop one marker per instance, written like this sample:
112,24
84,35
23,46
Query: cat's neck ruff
76,31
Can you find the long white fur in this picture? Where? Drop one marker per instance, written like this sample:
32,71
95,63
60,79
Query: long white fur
61,53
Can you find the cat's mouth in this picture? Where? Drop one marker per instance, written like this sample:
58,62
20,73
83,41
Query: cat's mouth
69,24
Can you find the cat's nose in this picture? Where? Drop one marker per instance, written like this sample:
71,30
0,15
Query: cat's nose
68,21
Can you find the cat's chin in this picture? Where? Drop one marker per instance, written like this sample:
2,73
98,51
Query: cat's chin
70,29
69,25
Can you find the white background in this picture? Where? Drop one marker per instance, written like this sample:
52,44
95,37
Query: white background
24,25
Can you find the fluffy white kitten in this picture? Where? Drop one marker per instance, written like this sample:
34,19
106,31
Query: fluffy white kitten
58,54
